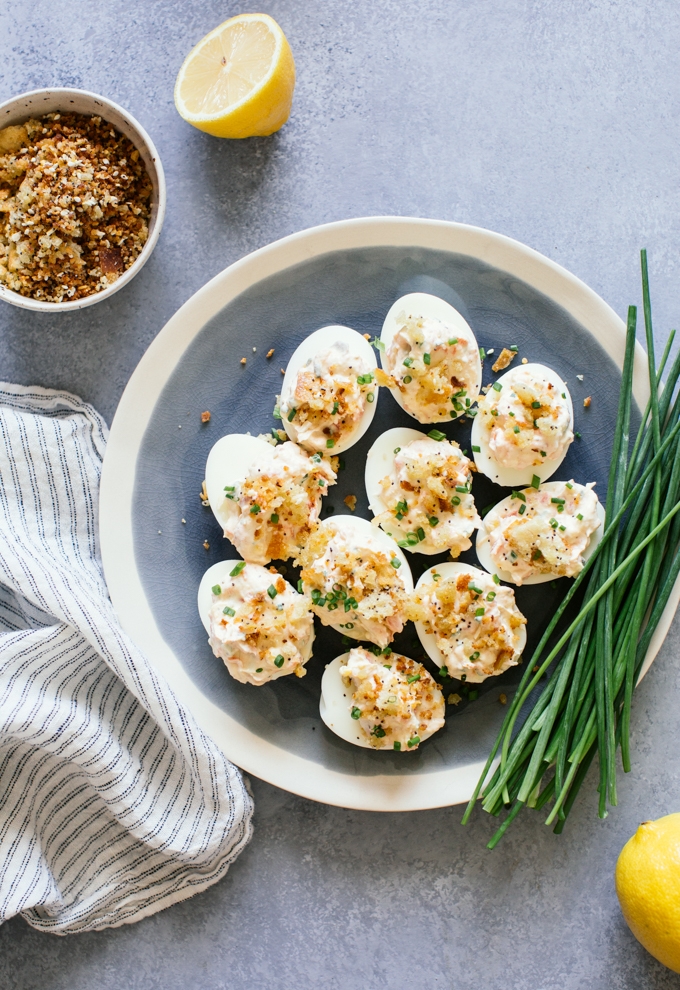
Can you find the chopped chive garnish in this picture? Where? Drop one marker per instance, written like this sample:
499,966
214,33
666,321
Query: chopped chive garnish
216,589
463,489
536,555
387,666
437,435
407,362
455,500
513,347
433,521
579,517
336,406
420,532
496,579
522,509
274,518
316,458
569,484
557,501
278,661
237,570
370,397
228,611
490,597
473,656
478,612
494,412
553,523
397,745
482,353
330,443
364,379
535,482
516,429
577,435
426,358
563,528
443,671
407,379
497,386
472,587
412,678
535,405
271,591
414,741
396,563
356,713
258,670
378,344
519,495
452,341
396,450
300,586
476,450
564,395
378,731
254,509
277,413
291,415
411,539
543,453
322,483
229,488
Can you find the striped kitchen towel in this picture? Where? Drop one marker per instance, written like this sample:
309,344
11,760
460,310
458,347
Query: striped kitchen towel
113,803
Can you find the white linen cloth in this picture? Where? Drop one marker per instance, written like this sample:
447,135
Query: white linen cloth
113,803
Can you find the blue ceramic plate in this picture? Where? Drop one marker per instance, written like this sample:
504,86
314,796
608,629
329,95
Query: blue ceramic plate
154,525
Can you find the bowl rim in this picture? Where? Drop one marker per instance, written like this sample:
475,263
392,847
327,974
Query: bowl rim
153,166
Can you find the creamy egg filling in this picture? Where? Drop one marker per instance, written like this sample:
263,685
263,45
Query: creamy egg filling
395,701
272,512
434,368
475,621
543,531
428,497
329,396
353,587
259,625
526,420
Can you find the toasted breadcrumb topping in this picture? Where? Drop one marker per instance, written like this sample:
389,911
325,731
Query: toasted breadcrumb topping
396,702
428,497
476,623
260,626
74,206
434,368
354,586
272,513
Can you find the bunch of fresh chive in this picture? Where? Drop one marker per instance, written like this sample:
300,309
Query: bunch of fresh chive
583,672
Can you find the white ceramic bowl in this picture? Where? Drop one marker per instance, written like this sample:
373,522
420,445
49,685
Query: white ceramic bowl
41,101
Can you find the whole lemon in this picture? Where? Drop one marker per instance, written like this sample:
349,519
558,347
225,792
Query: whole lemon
648,886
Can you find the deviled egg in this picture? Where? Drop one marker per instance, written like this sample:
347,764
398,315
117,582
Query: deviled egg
267,499
329,391
380,702
419,489
357,578
467,621
523,427
538,534
430,358
256,622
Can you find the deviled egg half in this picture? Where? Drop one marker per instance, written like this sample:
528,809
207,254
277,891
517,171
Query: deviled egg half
467,621
523,427
380,702
267,499
358,579
329,391
256,622
420,491
430,358
538,534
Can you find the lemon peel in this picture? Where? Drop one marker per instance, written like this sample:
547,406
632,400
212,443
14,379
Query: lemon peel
648,887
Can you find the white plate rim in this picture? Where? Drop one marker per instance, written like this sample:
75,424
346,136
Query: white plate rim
410,792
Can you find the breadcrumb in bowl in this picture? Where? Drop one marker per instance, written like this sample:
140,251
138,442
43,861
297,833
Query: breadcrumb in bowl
37,104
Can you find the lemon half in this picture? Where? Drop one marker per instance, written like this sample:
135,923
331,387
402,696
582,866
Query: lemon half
238,81
648,885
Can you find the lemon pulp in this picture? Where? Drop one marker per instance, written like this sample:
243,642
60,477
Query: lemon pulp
238,81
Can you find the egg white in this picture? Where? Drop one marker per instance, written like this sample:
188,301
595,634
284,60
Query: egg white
447,570
518,477
334,705
433,307
317,343
484,554
357,529
228,464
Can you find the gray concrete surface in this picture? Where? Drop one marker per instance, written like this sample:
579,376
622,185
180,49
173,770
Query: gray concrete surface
555,123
